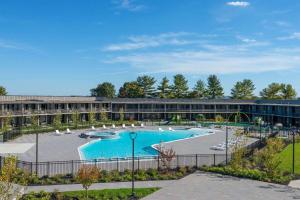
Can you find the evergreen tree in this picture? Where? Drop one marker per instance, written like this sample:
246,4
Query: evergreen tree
273,91
179,87
243,90
214,88
164,88
147,85
199,90
288,92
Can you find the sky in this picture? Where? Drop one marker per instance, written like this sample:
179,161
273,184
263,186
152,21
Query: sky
67,47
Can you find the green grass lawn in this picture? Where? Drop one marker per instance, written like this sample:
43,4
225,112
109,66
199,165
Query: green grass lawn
286,159
107,194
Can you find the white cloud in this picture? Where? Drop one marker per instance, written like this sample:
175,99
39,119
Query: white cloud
293,36
129,5
238,3
212,59
147,41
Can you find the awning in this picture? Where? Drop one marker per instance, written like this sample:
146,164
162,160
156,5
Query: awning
15,148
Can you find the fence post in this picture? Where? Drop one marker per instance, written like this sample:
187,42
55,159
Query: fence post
196,161
72,167
214,159
177,159
48,168
31,168
138,163
157,162
0,162
118,164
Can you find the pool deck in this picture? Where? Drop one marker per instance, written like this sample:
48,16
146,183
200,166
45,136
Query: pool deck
65,147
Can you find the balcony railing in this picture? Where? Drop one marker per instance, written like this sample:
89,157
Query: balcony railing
51,111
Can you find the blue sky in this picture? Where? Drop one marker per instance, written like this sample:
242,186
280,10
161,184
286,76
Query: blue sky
66,47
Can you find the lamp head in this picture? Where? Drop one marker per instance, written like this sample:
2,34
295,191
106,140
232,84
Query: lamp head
132,135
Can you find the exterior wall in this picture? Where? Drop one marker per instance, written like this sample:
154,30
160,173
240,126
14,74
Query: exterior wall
20,108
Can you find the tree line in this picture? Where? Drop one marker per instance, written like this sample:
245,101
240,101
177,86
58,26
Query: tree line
145,87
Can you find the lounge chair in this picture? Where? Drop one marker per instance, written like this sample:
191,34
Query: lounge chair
142,126
160,129
171,129
132,125
123,126
113,126
58,133
93,128
104,127
68,131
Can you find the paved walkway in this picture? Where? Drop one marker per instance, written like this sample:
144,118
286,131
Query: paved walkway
206,186
99,186
295,184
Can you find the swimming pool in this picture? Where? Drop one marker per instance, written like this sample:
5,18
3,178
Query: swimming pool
121,146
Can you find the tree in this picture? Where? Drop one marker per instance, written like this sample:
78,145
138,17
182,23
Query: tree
2,91
200,118
9,172
92,117
131,90
75,118
179,87
57,121
243,90
105,89
199,90
121,113
87,175
6,122
164,88
35,122
219,119
147,85
273,91
103,116
166,156
288,92
214,88
267,159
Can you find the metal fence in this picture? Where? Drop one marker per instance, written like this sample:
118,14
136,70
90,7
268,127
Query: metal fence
121,164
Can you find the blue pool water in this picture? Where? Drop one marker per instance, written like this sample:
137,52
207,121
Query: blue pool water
121,146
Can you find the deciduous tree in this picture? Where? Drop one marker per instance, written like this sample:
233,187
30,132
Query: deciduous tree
131,90
105,89
87,175
2,91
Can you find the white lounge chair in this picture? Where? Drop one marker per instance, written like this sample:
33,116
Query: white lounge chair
142,126
68,131
104,127
113,126
57,132
160,129
171,129
93,128
132,125
123,126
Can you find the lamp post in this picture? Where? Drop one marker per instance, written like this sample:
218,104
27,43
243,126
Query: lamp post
226,145
133,136
293,163
36,152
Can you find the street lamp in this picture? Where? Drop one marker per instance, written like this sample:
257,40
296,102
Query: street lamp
226,145
133,136
293,163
